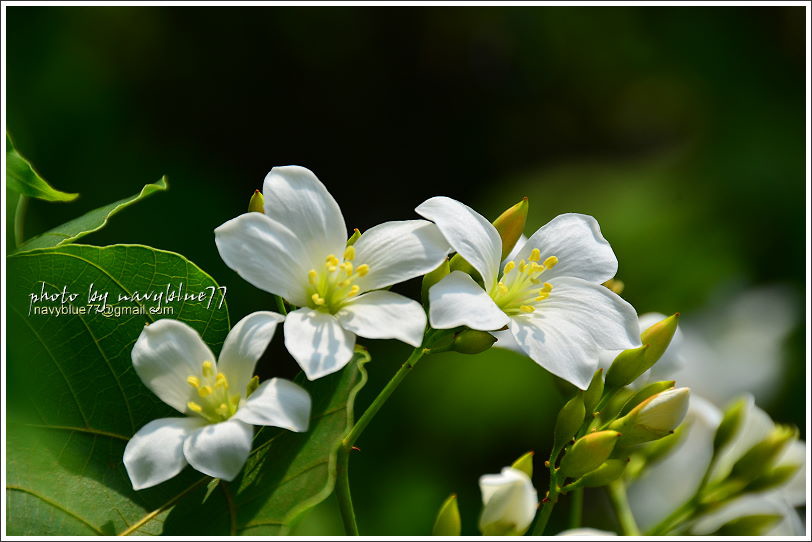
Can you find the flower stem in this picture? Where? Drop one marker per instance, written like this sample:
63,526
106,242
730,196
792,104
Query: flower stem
280,305
617,497
673,519
576,507
19,220
343,492
546,511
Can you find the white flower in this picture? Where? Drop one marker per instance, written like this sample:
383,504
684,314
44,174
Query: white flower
216,433
509,503
550,295
586,531
296,250
667,484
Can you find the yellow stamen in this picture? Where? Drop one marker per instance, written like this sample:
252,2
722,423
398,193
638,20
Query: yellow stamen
221,381
502,287
550,262
509,266
194,407
349,253
547,287
317,299
527,308
542,295
331,260
347,267
222,410
344,283
535,255
193,381
235,400
204,391
208,369
331,268
354,290
312,277
522,266
362,270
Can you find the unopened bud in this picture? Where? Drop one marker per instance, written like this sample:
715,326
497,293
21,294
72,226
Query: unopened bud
593,392
775,477
605,474
614,404
754,525
509,503
356,233
431,278
644,393
458,263
658,337
627,366
762,455
569,420
448,519
257,203
510,225
654,418
657,450
730,424
525,463
588,453
472,341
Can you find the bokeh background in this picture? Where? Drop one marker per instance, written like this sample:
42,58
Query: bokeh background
680,129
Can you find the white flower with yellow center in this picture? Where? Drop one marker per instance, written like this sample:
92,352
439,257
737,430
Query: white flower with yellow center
297,250
550,295
220,399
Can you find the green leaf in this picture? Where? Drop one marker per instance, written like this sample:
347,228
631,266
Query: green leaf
23,178
286,474
88,222
73,399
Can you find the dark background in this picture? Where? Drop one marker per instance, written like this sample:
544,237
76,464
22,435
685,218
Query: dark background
680,129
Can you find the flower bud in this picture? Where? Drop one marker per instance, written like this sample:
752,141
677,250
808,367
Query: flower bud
432,278
654,451
762,455
754,525
605,474
257,203
593,392
509,503
644,393
615,403
659,337
627,366
654,418
472,341
588,453
775,477
510,225
569,420
730,424
525,464
448,519
356,233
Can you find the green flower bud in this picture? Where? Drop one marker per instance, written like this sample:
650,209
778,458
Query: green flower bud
775,477
566,389
627,366
593,392
569,420
644,393
605,474
588,453
754,525
525,463
659,337
472,341
510,225
657,450
432,278
448,519
730,424
356,233
654,418
257,203
762,455
616,400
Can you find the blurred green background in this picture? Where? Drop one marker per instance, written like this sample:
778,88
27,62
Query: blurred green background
680,129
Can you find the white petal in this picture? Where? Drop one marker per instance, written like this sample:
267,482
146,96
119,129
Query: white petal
794,490
244,345
515,252
165,354
267,254
468,232
295,198
459,301
277,402
577,242
748,505
586,531
220,449
317,342
505,339
398,251
508,499
384,315
568,329
155,453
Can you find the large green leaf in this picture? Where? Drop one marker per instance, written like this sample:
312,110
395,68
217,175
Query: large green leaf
23,178
286,474
73,398
88,222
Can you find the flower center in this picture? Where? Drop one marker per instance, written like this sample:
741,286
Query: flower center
333,284
216,404
520,289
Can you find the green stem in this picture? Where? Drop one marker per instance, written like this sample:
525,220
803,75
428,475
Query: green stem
617,497
576,507
676,517
343,492
19,220
280,305
546,511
